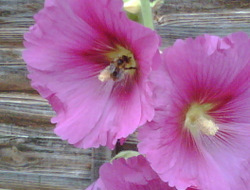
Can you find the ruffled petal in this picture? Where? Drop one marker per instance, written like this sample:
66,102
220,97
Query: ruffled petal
66,51
205,70
134,173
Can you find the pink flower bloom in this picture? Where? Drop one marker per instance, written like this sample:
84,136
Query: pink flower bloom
91,63
134,173
245,176
200,134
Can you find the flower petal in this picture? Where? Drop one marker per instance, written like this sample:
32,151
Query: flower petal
205,70
66,51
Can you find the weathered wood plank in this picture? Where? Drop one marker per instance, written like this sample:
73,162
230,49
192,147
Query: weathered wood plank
13,78
11,56
191,6
24,109
180,26
34,153
42,158
24,161
19,8
41,154
30,151
98,157
13,71
11,37
39,182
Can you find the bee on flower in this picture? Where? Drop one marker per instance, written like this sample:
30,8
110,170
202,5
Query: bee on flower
92,63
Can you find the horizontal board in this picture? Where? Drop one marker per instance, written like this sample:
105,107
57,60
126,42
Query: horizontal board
9,181
42,159
180,26
11,56
19,8
30,151
36,155
191,6
24,109
13,71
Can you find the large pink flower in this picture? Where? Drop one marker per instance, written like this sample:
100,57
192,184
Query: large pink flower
134,173
200,134
91,62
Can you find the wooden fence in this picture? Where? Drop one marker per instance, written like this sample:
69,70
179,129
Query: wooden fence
31,156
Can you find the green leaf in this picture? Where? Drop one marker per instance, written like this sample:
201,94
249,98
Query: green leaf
125,154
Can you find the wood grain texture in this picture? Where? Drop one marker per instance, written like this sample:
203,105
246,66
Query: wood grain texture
194,6
33,162
31,155
25,109
183,25
13,71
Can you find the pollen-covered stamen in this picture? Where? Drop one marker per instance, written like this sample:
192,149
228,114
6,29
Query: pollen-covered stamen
197,120
122,63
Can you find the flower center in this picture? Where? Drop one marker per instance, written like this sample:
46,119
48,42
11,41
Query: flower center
197,120
122,63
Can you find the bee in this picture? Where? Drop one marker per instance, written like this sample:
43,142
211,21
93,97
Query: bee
116,69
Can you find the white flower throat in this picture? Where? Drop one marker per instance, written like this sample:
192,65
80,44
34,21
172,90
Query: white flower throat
122,63
197,120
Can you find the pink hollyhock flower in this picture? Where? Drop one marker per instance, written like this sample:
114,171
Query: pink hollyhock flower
134,173
245,176
200,134
91,63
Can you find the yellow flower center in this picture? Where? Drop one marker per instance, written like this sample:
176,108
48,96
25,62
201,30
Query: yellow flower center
122,63
197,120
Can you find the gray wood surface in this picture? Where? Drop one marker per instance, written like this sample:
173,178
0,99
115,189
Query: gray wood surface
31,156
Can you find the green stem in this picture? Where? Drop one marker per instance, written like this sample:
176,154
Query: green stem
146,14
